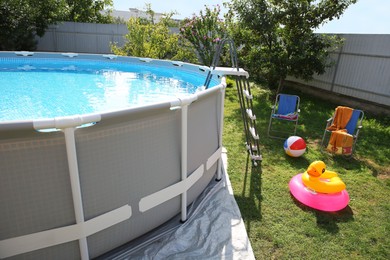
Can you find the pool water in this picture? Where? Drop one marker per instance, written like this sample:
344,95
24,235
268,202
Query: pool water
34,89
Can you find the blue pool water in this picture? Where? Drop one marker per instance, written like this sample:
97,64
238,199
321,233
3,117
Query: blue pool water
34,88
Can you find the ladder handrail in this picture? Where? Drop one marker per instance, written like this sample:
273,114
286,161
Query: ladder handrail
217,55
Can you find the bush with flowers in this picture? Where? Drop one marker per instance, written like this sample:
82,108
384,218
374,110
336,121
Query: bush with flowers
204,32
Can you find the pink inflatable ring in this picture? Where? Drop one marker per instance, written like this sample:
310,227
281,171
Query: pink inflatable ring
321,201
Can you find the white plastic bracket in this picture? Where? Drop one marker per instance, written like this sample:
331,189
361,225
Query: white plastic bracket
70,54
110,56
24,53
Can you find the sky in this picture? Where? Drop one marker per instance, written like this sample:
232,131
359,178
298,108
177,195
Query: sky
364,17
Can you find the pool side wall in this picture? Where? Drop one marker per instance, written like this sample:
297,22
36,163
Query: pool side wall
124,158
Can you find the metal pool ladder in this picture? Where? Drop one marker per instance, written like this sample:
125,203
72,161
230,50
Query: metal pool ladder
244,95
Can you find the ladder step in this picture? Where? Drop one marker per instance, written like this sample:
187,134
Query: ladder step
253,133
256,157
248,96
250,114
248,147
222,71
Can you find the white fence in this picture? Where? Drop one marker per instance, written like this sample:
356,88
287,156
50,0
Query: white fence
361,70
362,65
82,37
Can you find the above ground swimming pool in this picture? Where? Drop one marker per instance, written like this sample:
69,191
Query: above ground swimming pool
89,162
35,88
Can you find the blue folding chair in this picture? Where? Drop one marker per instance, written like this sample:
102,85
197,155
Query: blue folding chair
353,127
286,109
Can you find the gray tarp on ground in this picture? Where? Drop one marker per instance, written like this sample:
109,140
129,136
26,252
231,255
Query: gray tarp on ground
214,230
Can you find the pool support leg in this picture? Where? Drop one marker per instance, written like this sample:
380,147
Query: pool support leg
75,184
184,126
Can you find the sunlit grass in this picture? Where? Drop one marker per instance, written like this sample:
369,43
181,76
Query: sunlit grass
281,228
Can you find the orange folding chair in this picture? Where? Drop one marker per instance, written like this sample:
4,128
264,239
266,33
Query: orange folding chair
342,131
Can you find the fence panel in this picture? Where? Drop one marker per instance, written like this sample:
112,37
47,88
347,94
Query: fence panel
361,69
82,37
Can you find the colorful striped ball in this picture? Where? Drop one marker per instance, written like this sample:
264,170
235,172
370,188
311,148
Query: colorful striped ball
294,146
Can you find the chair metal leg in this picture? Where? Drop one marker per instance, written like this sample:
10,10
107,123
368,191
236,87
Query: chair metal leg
269,126
285,132
295,129
322,141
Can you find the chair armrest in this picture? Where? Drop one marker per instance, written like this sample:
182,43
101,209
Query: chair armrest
329,122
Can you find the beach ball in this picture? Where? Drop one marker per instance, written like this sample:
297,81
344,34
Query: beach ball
295,146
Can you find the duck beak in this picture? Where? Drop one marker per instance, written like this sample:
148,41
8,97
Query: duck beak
312,170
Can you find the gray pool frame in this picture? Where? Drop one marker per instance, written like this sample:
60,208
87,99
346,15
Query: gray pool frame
78,192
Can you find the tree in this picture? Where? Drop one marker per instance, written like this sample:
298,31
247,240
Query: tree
154,40
204,32
89,11
283,38
21,20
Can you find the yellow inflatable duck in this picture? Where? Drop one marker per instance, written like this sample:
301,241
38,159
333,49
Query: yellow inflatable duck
317,178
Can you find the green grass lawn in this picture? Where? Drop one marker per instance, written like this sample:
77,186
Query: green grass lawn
281,228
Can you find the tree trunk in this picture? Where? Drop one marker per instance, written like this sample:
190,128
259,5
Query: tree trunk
280,86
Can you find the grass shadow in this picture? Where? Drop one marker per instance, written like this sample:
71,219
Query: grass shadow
251,197
327,220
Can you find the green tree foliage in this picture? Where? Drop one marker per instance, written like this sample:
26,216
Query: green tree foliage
88,11
278,36
204,32
21,20
154,40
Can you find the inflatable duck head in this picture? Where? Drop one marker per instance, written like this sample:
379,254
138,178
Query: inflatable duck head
316,168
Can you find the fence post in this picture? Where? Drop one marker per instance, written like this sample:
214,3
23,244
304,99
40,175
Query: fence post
336,68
